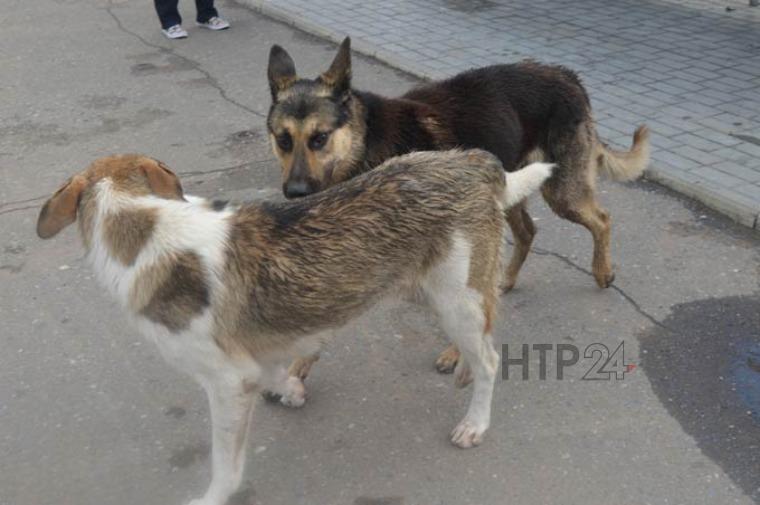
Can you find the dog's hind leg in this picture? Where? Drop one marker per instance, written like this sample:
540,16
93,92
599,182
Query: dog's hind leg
231,402
580,206
302,366
284,387
465,315
293,385
597,221
523,232
571,190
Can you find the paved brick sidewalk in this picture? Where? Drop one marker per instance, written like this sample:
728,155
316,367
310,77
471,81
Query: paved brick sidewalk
690,69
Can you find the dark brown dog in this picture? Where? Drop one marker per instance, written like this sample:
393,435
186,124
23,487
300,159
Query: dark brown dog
324,132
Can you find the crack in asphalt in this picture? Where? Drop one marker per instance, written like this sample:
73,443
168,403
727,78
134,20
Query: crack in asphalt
631,300
166,50
16,202
17,209
250,164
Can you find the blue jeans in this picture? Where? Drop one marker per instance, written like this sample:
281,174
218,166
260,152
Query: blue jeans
169,15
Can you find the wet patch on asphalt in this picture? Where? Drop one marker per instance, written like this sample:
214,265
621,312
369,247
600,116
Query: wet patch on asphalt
102,102
32,134
243,145
35,133
13,257
188,455
171,64
175,412
707,374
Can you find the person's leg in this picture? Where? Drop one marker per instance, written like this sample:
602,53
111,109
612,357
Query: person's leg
168,13
206,10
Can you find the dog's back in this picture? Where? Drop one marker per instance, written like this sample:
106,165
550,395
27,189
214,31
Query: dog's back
508,110
318,261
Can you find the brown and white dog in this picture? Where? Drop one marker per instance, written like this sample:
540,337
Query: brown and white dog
230,294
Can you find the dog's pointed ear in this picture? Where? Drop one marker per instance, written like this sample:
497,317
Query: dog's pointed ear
162,181
338,76
61,209
281,71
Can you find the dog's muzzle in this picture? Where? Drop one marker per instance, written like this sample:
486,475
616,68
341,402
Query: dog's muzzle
297,189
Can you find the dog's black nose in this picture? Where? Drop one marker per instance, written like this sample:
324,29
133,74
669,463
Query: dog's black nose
297,189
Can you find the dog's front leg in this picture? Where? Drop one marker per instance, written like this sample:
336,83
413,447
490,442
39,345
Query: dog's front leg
231,406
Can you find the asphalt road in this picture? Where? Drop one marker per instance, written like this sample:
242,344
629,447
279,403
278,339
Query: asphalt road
90,415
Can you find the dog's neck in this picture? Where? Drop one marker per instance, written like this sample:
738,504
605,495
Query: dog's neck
393,126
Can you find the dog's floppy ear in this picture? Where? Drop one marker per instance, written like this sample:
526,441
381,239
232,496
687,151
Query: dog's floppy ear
338,76
162,181
281,71
61,209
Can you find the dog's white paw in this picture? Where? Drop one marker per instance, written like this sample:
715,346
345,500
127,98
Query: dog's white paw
294,392
467,434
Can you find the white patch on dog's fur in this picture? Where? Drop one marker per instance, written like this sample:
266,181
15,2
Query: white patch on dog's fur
180,228
525,181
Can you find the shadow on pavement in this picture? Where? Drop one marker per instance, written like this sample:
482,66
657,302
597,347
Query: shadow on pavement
704,365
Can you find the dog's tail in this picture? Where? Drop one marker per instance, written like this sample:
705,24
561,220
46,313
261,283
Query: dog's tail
625,165
525,181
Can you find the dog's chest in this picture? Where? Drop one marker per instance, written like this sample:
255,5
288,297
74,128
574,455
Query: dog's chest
192,350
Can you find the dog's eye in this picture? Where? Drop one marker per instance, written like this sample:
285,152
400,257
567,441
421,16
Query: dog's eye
285,141
317,141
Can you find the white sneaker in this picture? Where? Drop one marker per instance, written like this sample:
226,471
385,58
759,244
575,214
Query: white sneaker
215,23
175,32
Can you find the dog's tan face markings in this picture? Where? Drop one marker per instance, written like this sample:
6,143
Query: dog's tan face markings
131,173
310,123
181,295
312,151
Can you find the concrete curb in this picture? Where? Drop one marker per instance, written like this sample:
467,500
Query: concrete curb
742,210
